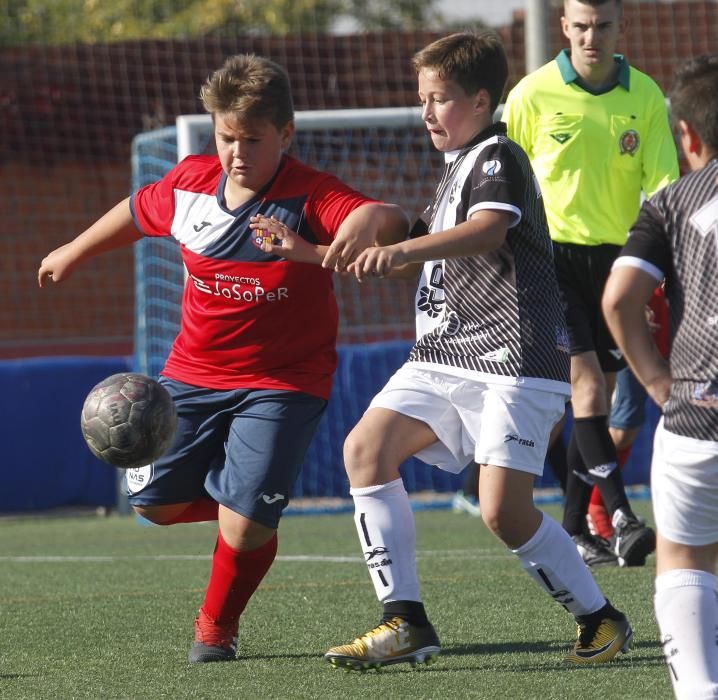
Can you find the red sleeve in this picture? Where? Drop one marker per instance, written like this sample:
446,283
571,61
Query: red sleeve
329,204
153,206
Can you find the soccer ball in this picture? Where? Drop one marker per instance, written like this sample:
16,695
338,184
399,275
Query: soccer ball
128,420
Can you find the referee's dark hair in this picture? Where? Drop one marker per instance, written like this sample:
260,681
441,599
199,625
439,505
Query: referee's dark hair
694,97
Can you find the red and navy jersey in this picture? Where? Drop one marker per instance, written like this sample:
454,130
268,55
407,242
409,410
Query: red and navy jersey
249,319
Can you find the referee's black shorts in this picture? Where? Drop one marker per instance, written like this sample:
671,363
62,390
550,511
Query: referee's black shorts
582,271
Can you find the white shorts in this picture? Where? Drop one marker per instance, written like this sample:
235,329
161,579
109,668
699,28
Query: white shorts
499,424
684,488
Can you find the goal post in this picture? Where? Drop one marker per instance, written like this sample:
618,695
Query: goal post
194,131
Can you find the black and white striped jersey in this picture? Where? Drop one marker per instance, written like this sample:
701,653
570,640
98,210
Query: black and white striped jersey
494,317
676,238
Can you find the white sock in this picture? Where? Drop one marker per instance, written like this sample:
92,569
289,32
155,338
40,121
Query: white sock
385,524
550,557
687,615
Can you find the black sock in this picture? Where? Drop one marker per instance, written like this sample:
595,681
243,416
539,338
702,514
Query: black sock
410,610
597,449
578,491
606,611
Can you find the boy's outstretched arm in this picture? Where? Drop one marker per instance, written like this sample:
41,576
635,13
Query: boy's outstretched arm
115,229
368,225
483,233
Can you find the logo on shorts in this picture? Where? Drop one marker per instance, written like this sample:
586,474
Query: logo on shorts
616,353
629,142
136,479
272,499
602,471
513,437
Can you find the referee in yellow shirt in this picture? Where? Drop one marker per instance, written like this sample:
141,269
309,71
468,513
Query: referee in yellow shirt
597,133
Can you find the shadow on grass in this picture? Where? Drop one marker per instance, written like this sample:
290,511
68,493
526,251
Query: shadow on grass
13,676
645,653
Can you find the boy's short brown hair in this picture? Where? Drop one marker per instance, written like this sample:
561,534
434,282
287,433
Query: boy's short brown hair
475,61
250,88
694,97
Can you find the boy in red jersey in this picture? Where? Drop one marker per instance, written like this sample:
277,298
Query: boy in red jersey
251,368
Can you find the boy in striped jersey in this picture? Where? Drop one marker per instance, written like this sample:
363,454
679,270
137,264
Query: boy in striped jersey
488,376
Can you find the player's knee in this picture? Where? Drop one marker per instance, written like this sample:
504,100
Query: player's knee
511,528
359,454
367,461
495,518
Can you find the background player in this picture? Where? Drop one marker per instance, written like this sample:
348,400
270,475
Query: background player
251,369
675,239
597,133
488,376
628,412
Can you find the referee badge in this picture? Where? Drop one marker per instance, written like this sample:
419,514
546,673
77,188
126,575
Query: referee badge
629,142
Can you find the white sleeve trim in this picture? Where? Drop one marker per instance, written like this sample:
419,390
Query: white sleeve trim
641,264
497,206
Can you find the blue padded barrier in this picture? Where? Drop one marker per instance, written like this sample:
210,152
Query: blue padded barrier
44,460
45,463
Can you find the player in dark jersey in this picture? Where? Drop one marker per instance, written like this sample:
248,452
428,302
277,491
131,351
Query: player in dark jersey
255,354
676,239
488,376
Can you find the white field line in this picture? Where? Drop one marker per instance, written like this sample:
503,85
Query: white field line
91,559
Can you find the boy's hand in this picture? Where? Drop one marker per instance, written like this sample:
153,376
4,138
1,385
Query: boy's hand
659,388
273,236
345,248
377,262
57,265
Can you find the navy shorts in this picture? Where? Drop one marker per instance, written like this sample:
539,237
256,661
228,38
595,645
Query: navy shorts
243,448
628,407
582,271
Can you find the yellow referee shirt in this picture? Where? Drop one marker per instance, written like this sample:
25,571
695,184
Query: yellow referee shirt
592,153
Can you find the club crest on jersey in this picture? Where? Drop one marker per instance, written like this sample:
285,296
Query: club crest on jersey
262,237
629,142
491,167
